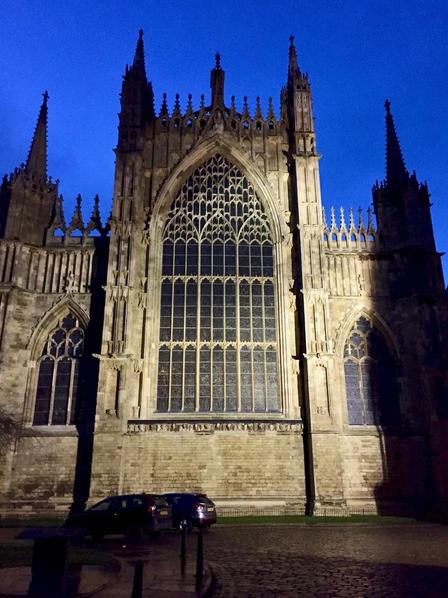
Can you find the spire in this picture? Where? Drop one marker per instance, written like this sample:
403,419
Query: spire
217,82
138,66
396,172
37,157
293,66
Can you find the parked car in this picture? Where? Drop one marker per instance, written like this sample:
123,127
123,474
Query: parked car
191,509
130,514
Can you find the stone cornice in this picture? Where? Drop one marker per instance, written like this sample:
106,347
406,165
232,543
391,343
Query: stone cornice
211,426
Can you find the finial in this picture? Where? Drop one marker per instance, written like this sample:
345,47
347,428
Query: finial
291,40
176,110
361,219
271,114
76,223
324,218
140,34
333,218
258,112
164,108
202,102
342,218
352,219
217,60
369,219
95,218
58,220
387,106
46,97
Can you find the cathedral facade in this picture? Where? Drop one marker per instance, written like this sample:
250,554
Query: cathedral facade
220,333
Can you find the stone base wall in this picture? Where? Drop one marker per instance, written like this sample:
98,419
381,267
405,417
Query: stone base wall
238,469
43,476
382,473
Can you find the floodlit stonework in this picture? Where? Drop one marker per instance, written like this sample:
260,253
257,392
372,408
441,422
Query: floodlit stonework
221,333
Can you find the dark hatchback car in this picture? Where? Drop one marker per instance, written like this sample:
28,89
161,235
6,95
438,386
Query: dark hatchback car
191,509
130,514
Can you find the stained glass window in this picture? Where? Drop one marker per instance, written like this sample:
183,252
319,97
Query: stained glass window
218,338
370,378
58,374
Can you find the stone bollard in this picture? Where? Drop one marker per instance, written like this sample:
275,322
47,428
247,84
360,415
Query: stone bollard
137,586
183,549
199,559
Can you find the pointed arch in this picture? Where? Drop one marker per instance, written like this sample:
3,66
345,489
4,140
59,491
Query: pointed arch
50,319
378,322
370,374
223,145
202,301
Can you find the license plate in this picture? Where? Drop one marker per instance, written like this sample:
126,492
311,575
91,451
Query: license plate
163,512
210,509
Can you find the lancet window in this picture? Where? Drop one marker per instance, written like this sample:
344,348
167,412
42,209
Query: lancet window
58,374
370,378
218,337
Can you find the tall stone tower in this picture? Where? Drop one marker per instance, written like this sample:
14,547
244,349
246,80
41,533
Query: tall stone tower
240,343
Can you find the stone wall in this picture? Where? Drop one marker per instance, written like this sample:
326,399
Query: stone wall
254,465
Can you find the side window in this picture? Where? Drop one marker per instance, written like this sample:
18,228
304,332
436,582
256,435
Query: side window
134,502
102,506
370,378
58,374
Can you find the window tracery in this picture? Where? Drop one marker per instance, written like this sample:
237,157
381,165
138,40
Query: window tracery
58,374
218,339
370,377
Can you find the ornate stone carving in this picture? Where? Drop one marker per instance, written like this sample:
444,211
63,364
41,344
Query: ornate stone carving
254,427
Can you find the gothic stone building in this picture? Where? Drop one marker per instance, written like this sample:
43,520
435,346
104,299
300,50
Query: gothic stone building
219,334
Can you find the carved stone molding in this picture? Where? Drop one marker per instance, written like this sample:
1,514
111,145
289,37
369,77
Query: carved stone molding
113,361
260,427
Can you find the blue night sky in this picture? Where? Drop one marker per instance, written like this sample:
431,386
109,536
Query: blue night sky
356,53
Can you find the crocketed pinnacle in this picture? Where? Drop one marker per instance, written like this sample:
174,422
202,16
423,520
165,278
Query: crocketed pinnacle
396,172
293,65
138,66
217,83
37,157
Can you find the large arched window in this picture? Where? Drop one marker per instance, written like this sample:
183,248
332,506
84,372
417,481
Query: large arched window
370,377
58,374
218,341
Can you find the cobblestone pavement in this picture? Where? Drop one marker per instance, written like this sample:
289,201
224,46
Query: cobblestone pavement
268,561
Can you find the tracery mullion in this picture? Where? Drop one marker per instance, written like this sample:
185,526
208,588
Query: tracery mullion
212,329
224,328
70,392
263,320
251,342
53,388
198,330
171,345
238,333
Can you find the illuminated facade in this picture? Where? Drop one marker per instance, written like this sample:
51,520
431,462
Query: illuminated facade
219,333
